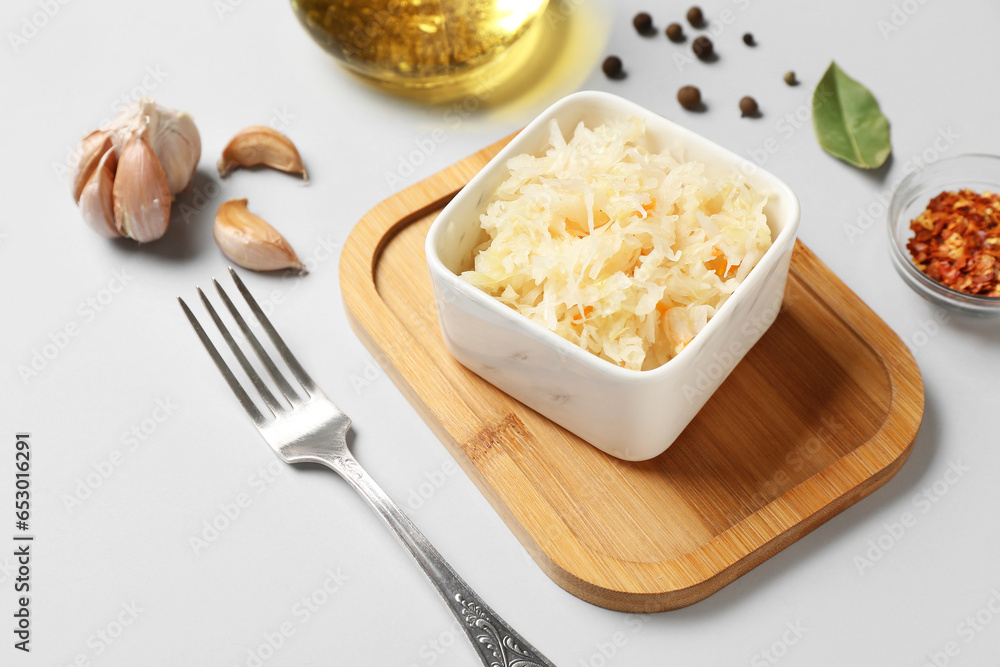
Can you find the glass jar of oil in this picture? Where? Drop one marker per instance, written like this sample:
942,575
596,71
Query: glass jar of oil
430,48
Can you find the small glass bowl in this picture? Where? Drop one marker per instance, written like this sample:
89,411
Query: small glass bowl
974,172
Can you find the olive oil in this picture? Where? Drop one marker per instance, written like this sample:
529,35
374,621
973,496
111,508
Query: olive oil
448,47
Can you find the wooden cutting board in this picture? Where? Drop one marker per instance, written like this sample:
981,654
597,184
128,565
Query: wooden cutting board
820,413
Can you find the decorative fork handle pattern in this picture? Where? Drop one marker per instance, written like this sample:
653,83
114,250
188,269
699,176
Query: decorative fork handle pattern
495,642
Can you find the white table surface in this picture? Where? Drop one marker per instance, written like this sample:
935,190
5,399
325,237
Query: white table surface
115,578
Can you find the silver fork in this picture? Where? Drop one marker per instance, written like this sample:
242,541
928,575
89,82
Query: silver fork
308,427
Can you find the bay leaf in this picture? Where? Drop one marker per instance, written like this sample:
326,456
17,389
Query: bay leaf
848,121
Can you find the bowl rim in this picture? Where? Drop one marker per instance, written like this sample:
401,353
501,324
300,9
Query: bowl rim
903,260
566,349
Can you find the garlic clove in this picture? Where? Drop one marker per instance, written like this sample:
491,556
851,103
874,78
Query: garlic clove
251,242
261,145
178,146
86,156
97,200
176,142
141,194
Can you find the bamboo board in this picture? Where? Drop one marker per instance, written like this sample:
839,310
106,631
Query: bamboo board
820,413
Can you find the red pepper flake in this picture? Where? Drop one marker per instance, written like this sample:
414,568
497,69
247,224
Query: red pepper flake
956,241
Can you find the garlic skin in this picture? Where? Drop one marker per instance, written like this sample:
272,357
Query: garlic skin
251,242
97,205
141,194
171,134
261,145
177,144
86,155
154,154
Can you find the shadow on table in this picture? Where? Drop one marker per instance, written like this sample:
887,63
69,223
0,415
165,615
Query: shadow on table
844,528
983,330
190,231
879,175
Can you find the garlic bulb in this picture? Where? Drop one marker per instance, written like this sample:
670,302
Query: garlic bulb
155,152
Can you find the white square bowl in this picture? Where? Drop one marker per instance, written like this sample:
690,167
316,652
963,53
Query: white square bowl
633,415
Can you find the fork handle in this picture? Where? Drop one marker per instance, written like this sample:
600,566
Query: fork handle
496,643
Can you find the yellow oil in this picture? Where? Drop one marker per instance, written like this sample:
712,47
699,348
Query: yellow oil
445,46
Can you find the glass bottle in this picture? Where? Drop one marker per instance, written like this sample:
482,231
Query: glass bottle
429,48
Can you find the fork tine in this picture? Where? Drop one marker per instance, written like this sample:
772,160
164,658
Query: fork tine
286,354
220,363
251,372
265,358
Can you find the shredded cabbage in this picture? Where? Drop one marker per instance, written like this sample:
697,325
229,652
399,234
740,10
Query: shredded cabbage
624,252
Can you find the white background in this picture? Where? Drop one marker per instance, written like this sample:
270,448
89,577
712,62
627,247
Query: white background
933,67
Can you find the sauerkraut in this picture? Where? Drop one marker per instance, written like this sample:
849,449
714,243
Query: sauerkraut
625,252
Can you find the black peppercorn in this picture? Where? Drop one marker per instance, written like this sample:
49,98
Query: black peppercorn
612,67
689,97
643,23
749,40
675,33
748,106
703,48
695,17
